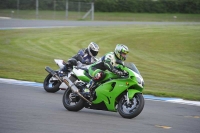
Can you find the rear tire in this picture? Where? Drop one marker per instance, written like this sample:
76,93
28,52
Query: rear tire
50,85
71,105
133,109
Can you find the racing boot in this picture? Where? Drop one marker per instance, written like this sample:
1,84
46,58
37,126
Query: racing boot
60,73
91,85
64,71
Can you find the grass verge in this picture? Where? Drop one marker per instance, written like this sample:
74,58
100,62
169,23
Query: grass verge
168,57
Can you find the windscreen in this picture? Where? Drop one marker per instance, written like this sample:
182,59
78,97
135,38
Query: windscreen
132,66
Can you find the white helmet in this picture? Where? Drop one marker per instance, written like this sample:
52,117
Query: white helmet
93,49
120,51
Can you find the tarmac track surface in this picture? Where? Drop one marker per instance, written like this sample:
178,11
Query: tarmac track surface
25,109
21,24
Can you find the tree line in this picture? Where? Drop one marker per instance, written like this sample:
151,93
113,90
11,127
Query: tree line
135,6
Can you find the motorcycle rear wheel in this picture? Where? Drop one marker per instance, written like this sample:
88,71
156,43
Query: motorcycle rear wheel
133,109
72,104
51,86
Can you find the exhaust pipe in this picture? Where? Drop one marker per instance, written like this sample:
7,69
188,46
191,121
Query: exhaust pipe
53,73
67,81
71,85
49,70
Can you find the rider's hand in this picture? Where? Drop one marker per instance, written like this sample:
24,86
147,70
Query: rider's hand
125,73
87,63
122,73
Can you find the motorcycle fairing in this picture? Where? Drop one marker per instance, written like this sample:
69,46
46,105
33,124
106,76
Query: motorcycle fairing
81,75
59,63
132,92
109,92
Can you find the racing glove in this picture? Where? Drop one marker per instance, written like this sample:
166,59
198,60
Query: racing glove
120,73
125,73
87,63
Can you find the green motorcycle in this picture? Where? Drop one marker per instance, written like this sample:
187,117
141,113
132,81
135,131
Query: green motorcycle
114,93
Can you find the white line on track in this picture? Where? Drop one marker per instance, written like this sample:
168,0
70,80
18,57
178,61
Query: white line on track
5,18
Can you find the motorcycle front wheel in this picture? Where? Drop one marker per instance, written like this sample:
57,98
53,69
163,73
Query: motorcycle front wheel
71,101
51,85
133,108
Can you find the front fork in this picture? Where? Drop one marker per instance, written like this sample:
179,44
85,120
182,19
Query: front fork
130,94
127,98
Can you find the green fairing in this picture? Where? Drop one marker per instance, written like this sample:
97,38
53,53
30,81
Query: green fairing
111,90
84,78
108,94
132,92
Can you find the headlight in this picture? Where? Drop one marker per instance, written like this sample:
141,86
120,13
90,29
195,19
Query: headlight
139,80
143,83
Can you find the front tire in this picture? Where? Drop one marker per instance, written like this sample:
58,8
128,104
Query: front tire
50,85
133,109
71,101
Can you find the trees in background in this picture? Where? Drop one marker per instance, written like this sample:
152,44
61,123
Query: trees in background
135,6
148,6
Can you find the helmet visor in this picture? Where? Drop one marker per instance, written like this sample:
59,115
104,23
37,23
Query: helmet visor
123,55
124,51
94,53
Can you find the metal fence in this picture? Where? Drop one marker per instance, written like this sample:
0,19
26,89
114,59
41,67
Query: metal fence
50,9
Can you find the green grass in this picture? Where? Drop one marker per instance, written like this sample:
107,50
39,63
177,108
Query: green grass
168,57
102,16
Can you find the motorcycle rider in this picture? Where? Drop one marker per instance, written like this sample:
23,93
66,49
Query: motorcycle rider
109,61
86,56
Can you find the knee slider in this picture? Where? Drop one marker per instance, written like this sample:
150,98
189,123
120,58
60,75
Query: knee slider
99,76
